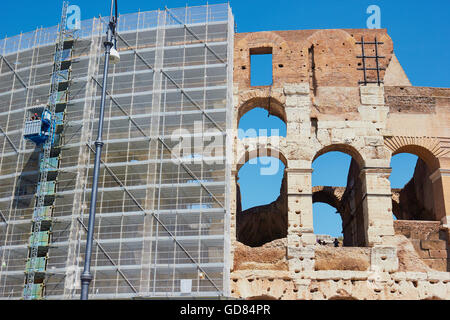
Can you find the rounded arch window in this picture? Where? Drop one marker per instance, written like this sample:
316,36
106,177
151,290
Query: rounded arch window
337,188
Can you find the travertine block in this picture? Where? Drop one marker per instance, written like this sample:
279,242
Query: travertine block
384,259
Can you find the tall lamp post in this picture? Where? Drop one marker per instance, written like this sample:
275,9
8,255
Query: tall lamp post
110,54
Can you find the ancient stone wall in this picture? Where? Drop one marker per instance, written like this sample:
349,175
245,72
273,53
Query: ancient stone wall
316,92
416,198
428,240
352,212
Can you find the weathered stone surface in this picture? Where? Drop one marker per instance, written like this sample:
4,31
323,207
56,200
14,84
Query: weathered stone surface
425,238
292,89
384,259
395,75
330,258
438,254
408,258
271,256
316,93
415,201
433,244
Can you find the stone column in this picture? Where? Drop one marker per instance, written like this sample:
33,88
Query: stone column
300,238
298,111
377,205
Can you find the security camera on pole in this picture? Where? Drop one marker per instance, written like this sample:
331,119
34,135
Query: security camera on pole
112,55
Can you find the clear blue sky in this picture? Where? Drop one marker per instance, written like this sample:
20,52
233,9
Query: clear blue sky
420,31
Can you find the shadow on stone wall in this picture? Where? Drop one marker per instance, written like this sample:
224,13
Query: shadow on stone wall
351,209
416,198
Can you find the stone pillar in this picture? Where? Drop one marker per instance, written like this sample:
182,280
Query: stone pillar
377,205
300,214
373,110
300,238
298,111
441,193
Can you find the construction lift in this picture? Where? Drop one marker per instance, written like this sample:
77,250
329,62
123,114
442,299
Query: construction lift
38,128
45,128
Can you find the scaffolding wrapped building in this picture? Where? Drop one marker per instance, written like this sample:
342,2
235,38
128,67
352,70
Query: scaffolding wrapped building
162,211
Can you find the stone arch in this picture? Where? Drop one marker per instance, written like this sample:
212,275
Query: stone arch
265,223
329,35
428,149
345,148
261,40
422,198
353,215
272,102
329,195
260,151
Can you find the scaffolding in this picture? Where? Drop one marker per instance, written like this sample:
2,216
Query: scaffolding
161,225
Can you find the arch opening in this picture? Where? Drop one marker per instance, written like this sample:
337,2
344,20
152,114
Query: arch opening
262,152
416,204
261,201
259,122
337,196
423,153
342,148
327,232
273,106
412,188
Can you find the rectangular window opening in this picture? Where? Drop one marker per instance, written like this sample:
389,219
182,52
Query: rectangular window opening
261,67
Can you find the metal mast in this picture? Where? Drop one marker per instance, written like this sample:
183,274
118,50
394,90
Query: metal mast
86,276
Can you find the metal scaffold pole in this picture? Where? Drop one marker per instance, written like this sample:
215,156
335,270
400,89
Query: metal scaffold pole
86,276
